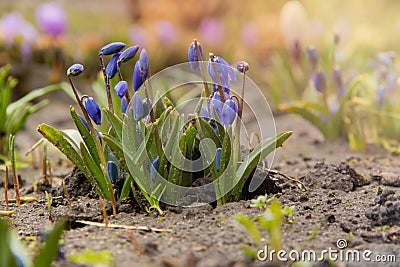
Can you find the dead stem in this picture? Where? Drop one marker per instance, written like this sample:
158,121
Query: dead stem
135,243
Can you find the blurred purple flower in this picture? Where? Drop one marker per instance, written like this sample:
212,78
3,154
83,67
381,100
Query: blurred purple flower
13,25
211,30
166,32
52,19
249,34
138,35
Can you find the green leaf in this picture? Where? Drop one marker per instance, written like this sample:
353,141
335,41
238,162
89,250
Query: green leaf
58,139
115,122
207,131
126,188
114,145
102,258
251,228
49,251
97,176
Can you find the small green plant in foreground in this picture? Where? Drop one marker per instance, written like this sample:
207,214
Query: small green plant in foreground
146,145
13,115
270,221
12,252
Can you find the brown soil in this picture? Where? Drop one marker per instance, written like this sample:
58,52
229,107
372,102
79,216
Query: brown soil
353,196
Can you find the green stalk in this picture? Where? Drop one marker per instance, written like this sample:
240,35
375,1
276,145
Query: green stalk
220,90
107,83
13,168
200,59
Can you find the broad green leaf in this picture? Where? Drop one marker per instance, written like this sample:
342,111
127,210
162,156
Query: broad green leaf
97,177
207,131
115,122
126,188
58,139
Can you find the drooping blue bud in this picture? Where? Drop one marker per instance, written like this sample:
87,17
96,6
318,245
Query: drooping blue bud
229,112
312,56
143,61
124,105
112,66
337,80
112,171
192,55
155,164
121,88
319,81
93,110
218,159
128,53
112,48
138,108
138,76
242,66
75,70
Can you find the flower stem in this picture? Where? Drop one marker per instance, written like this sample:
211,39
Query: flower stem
97,142
107,82
128,97
6,188
200,60
220,90
14,169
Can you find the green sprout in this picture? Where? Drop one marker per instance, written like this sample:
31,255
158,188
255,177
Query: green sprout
13,115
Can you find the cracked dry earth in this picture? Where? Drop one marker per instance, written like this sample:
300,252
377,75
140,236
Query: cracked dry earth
351,195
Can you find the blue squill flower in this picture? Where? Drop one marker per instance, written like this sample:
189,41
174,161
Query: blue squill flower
139,109
93,110
192,55
128,53
155,164
111,48
216,104
319,81
337,80
112,171
75,70
218,159
138,76
121,88
112,67
229,112
87,127
225,72
124,105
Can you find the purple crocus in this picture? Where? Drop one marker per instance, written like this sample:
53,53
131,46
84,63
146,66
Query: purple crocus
211,31
52,18
166,32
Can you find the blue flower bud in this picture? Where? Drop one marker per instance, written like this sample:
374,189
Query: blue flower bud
218,159
112,48
143,61
124,105
138,108
128,53
121,88
75,70
138,76
112,67
312,56
99,136
229,112
93,110
337,80
112,171
155,164
192,55
242,66
319,81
